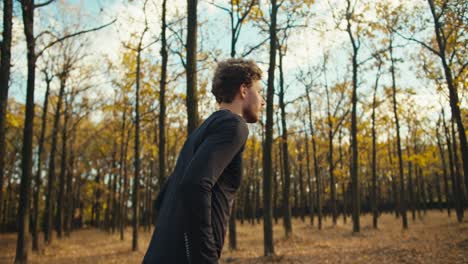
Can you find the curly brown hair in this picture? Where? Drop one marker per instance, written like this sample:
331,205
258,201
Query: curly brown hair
230,75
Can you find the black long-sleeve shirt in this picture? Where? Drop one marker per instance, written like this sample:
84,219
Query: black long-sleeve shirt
195,202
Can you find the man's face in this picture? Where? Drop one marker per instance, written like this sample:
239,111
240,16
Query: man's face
253,102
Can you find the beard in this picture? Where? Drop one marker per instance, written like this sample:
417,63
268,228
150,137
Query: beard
249,115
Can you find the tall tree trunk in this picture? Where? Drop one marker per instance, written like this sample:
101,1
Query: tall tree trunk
438,190
314,154
345,202
63,172
50,195
275,188
423,190
26,163
136,177
458,177
330,155
162,98
393,182
97,200
268,246
448,196
114,185
400,155
5,64
410,181
302,204
123,177
284,139
340,151
455,184
375,213
309,179
191,66
37,188
354,143
70,208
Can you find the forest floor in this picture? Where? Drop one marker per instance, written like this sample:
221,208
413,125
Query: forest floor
434,238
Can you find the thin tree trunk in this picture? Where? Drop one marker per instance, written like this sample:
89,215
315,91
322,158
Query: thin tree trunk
50,195
309,179
162,98
458,177
330,160
63,172
136,177
400,155
455,184
70,208
438,190
5,65
354,143
410,182
316,168
37,189
448,196
191,66
287,174
268,245
26,163
375,213
123,177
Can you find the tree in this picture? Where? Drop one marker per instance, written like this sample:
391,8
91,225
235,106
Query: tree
5,64
307,79
355,42
162,97
334,122
391,19
191,66
287,223
136,177
456,186
375,212
48,79
268,246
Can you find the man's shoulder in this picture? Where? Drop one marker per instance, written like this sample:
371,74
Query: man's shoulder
225,120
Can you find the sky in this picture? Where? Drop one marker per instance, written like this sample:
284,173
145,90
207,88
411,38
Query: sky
305,46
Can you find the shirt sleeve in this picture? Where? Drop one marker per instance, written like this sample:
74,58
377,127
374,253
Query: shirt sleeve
222,143
159,199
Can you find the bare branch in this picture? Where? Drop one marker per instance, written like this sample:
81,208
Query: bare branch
70,36
220,7
251,49
46,32
43,4
421,43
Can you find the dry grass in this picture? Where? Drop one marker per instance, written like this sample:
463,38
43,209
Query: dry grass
433,239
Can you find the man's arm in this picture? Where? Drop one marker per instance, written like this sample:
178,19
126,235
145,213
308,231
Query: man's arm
159,199
218,149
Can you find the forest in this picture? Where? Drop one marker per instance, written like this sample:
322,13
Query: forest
360,156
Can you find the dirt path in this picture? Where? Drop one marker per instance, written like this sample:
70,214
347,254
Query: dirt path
434,239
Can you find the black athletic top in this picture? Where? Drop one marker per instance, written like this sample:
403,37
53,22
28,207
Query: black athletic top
195,202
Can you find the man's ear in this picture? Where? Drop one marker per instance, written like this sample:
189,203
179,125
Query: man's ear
243,91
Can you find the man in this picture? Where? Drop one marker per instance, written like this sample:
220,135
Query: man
195,202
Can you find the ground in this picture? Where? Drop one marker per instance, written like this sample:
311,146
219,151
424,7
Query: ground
434,238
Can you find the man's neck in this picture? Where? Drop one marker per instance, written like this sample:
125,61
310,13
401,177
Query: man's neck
235,108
